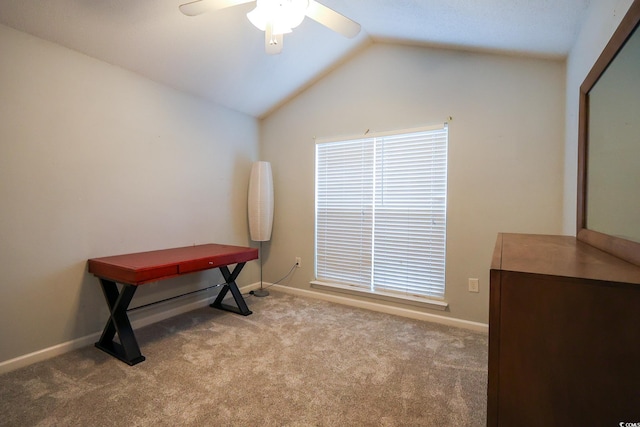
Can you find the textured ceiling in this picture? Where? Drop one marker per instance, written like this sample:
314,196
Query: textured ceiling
220,55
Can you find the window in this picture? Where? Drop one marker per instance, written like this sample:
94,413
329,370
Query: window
381,212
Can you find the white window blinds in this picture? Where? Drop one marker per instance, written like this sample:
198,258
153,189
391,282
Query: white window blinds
381,212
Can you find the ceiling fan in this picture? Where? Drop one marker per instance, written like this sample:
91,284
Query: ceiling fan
278,17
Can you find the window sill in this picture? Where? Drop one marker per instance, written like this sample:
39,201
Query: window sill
433,304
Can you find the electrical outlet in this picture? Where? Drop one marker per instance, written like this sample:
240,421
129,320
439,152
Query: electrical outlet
298,262
474,285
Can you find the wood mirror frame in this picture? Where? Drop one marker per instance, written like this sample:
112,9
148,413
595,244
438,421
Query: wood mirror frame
622,248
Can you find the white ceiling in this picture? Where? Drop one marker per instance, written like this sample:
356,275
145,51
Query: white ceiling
220,55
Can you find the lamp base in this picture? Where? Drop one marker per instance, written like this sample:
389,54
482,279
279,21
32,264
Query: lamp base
260,293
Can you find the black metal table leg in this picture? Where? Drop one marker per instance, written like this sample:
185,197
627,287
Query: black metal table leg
230,285
118,301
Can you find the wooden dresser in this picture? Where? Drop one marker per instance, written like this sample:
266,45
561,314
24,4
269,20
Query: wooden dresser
564,335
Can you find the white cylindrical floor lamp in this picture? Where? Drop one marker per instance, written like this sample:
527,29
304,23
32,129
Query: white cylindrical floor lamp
260,209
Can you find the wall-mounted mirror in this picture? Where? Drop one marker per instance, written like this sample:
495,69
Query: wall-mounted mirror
609,145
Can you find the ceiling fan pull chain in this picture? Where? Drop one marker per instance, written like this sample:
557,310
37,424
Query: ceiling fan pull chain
272,37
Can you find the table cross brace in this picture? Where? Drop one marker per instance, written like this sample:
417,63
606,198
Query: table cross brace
230,285
118,301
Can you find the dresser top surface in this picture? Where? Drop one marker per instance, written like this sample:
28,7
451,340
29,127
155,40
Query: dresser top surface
560,256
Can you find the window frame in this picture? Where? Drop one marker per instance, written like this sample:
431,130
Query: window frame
387,294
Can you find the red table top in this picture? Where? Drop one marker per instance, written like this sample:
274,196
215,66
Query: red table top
143,267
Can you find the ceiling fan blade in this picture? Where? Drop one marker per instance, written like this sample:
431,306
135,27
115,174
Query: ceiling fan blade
332,19
272,42
201,6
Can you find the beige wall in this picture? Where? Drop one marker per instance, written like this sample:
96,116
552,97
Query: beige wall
505,150
601,21
96,161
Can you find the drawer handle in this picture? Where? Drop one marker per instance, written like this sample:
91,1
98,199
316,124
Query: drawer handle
210,262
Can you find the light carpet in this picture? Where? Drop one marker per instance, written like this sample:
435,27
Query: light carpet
294,362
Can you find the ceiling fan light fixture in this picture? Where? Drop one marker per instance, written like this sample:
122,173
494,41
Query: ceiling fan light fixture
279,17
283,15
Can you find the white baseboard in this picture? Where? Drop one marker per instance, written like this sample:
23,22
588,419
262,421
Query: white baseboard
145,320
47,353
382,308
139,320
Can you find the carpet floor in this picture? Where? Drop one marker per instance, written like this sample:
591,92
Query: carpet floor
294,362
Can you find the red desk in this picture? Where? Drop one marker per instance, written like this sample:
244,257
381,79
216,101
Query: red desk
132,270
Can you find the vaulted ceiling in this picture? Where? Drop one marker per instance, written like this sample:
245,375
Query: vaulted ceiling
220,55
